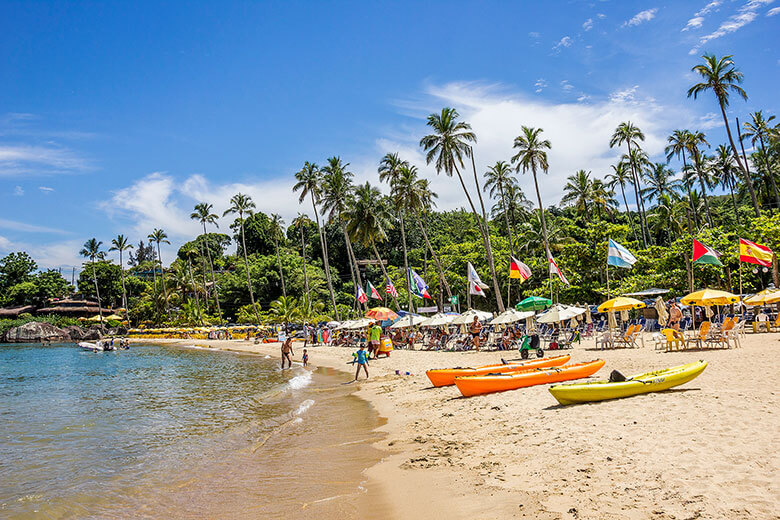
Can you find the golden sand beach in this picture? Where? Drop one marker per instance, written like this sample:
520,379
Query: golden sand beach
702,450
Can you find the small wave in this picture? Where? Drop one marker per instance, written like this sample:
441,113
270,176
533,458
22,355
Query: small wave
304,406
267,357
300,381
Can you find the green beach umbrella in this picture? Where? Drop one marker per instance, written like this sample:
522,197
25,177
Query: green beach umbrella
533,303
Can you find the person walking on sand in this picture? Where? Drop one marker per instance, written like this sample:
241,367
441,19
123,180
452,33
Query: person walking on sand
375,334
362,361
287,351
476,329
675,315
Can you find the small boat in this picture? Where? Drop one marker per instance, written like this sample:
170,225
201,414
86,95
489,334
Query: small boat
640,384
489,383
446,376
94,347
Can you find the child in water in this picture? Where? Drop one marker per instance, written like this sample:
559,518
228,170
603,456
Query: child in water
305,358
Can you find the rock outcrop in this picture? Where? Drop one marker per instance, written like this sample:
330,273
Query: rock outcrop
36,332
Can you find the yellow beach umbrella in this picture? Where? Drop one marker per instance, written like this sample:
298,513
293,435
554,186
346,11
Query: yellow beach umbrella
707,297
621,303
763,297
113,317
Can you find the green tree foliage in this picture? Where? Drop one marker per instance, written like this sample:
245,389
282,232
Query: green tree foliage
16,268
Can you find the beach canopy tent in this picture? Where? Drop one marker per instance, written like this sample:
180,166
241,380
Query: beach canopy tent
763,297
707,297
405,321
381,314
621,303
560,313
653,291
468,317
333,324
533,303
510,316
439,319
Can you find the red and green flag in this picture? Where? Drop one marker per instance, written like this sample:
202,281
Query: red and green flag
704,255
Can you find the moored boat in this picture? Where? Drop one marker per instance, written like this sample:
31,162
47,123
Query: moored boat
446,376
94,347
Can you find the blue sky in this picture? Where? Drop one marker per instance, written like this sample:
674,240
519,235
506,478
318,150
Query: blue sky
118,117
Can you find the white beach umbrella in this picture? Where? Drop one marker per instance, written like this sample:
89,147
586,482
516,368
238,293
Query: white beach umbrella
558,313
438,320
468,316
404,322
510,316
360,324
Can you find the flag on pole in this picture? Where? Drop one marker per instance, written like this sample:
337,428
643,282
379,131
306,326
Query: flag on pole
619,256
371,290
704,255
390,289
554,269
753,253
475,284
419,287
361,295
518,269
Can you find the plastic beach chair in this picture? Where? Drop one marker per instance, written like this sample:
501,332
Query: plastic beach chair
674,340
701,336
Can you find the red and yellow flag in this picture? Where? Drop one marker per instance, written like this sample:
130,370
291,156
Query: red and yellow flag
754,253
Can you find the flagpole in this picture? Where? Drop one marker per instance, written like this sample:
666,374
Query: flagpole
608,293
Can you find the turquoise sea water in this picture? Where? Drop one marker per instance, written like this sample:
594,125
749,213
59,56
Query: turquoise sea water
175,432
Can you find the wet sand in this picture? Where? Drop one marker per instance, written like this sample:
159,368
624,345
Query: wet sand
702,450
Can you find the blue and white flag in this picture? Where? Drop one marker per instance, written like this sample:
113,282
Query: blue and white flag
418,285
619,256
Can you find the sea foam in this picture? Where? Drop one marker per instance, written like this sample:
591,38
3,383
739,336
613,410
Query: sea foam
300,381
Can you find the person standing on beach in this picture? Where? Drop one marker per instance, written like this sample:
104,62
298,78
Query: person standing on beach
675,315
287,351
305,358
476,329
375,334
362,361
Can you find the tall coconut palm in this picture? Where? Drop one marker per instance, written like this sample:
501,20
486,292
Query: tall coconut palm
309,182
726,173
159,236
92,251
660,181
367,220
664,217
244,206
696,139
121,244
189,253
300,222
621,176
603,198
722,77
758,129
204,215
679,142
498,181
630,135
277,230
532,156
446,147
578,192
336,198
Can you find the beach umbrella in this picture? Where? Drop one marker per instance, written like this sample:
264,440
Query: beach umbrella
660,306
533,303
529,323
621,303
439,319
468,316
113,317
763,297
362,323
510,316
559,313
333,324
612,320
381,314
707,297
405,321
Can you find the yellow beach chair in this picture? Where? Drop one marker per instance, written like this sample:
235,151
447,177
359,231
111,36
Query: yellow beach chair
674,339
701,336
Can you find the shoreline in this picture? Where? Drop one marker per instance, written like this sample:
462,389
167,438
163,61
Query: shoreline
696,451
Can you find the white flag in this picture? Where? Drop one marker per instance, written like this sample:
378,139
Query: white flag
475,284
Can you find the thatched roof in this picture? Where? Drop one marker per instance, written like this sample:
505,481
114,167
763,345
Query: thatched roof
73,310
14,312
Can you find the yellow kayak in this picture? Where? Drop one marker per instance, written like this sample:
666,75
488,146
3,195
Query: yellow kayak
640,384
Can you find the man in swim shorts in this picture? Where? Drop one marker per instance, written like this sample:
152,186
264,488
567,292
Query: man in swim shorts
475,329
287,351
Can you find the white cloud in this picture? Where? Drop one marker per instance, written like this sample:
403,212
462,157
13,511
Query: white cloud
773,11
540,85
28,228
534,34
588,25
694,23
45,189
565,85
5,245
744,15
601,15
48,256
18,191
709,121
566,41
641,17
25,159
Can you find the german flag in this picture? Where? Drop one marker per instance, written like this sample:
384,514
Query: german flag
753,253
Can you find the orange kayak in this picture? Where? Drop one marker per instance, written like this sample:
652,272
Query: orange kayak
446,376
486,384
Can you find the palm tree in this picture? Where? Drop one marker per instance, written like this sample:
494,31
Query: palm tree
121,244
367,218
665,218
204,215
578,192
695,140
285,309
760,129
159,236
678,144
498,180
721,76
92,251
336,198
309,180
621,176
277,230
603,197
660,181
532,234
532,155
446,146
244,205
725,173
631,135
300,222
189,253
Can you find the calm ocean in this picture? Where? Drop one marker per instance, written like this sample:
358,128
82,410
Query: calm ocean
163,432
